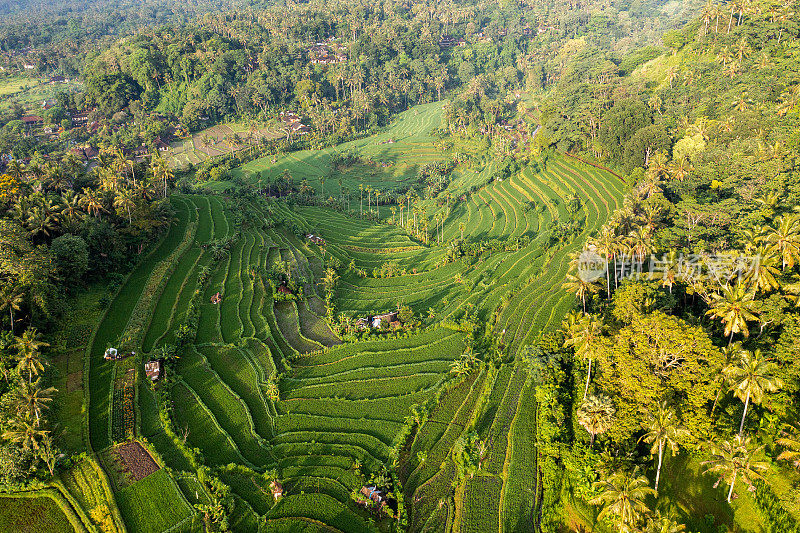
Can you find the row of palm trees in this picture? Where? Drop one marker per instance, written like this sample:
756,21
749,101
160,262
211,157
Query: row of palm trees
53,205
28,400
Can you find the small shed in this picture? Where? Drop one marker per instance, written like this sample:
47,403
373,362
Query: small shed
153,369
316,239
111,354
277,489
372,493
283,289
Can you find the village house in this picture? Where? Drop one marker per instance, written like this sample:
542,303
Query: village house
277,489
319,241
161,145
31,120
152,369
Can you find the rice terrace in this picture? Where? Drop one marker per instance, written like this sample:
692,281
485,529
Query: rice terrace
400,266
346,360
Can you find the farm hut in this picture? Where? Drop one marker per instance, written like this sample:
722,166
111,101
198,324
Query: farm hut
316,239
276,488
111,354
283,289
153,369
372,493
362,323
31,120
300,128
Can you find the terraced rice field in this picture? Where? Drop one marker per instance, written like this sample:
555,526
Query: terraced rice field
218,140
395,154
341,407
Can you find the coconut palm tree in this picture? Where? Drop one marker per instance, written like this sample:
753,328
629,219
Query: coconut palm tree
734,460
790,440
731,353
596,414
125,200
623,495
92,202
11,298
663,429
41,222
29,352
31,399
784,236
26,433
663,524
735,306
763,276
583,333
750,377
605,243
161,172
580,287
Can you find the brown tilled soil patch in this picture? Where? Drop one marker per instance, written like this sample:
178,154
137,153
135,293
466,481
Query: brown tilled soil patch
137,461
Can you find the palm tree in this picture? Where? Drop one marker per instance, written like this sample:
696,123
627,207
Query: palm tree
92,202
40,222
790,440
583,333
732,353
663,524
124,200
663,429
161,172
25,433
11,299
785,239
735,306
31,399
606,247
734,459
623,495
596,414
762,277
580,287
750,377
29,352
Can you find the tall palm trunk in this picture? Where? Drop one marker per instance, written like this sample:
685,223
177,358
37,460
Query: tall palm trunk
588,376
744,414
730,491
660,458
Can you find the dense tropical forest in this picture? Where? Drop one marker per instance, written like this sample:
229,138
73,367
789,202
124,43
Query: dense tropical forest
400,266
